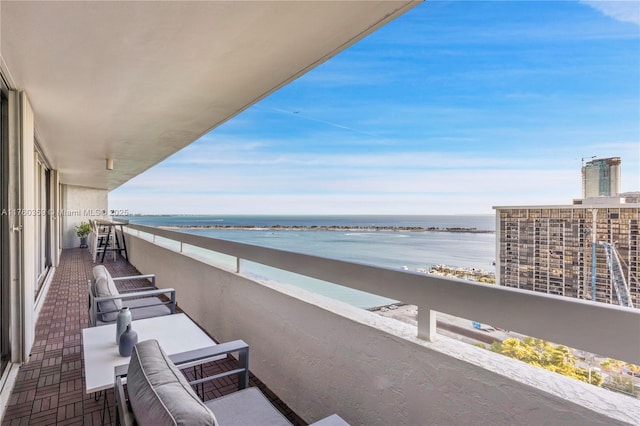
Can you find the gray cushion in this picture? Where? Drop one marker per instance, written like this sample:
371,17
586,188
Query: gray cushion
246,407
103,285
159,393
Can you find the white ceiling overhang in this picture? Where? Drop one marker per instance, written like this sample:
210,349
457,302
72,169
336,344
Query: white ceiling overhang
138,81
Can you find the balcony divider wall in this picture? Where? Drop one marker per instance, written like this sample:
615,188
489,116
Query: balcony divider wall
80,204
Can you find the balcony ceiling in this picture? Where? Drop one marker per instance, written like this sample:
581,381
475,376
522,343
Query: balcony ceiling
138,81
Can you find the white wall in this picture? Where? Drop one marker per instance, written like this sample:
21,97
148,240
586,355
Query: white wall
322,356
28,223
80,204
56,222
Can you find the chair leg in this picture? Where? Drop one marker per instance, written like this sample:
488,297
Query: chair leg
94,251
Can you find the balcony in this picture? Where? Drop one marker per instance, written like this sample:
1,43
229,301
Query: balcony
322,356
377,370
50,387
135,92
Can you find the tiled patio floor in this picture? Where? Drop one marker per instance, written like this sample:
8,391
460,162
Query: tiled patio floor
50,387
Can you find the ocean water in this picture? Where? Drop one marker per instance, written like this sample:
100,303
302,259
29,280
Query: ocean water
392,249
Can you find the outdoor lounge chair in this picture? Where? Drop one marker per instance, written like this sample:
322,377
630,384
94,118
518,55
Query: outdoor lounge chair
105,300
159,394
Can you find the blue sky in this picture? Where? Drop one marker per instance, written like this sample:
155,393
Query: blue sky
453,108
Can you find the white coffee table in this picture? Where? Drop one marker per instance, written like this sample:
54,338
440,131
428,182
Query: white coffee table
175,333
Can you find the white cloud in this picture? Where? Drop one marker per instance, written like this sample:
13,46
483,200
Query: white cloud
239,152
238,176
425,191
625,11
418,203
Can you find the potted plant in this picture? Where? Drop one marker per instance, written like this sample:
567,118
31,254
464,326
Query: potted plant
82,231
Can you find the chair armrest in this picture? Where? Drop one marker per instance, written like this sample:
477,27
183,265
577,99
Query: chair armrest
136,294
200,356
131,290
138,277
95,300
196,357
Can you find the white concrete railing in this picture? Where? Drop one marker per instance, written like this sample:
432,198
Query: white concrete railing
607,330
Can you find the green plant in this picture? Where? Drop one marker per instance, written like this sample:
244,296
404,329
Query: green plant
557,358
83,229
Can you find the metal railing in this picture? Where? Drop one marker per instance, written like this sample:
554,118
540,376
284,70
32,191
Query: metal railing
603,329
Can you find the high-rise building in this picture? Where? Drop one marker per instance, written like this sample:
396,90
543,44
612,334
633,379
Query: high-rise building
589,250
551,249
601,177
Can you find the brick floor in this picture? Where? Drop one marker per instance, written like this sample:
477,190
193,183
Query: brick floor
50,387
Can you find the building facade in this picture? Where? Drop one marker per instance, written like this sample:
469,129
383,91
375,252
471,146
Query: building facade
550,249
601,177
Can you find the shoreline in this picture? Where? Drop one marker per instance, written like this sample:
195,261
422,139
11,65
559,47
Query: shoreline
331,228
